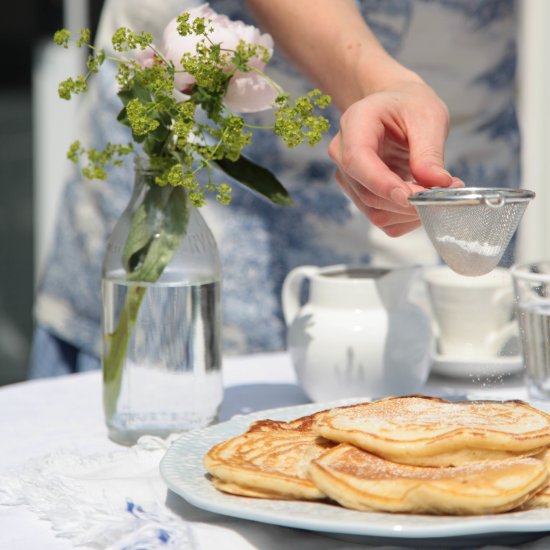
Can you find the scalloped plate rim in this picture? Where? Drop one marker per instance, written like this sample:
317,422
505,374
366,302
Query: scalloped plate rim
182,471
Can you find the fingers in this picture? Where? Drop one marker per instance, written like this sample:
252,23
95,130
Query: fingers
457,182
359,158
400,229
392,219
427,134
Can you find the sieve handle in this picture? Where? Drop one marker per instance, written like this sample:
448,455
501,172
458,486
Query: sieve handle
494,201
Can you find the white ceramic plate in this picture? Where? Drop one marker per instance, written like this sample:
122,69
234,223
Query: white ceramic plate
183,472
460,367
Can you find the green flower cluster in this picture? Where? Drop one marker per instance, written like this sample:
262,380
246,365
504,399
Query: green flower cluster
184,135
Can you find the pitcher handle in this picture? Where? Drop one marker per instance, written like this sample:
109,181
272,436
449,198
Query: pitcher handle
292,285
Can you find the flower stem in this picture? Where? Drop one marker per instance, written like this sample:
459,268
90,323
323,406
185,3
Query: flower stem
158,224
113,361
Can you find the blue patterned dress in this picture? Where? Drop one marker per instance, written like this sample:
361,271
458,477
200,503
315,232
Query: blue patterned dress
465,49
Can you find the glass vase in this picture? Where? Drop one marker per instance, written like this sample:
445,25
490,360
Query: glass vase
161,321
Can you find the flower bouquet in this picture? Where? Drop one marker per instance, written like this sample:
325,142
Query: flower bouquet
185,103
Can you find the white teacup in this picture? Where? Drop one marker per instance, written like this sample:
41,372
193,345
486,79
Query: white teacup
474,316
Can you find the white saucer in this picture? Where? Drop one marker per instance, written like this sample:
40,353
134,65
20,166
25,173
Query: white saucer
462,367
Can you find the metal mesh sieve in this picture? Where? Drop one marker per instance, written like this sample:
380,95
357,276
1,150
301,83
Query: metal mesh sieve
471,227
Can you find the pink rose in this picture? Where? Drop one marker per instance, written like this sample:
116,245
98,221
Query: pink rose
247,92
146,57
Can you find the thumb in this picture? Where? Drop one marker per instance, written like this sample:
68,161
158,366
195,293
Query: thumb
426,150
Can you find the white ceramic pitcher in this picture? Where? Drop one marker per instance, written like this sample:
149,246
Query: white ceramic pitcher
357,335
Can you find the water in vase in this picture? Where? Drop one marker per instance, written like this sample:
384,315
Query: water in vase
171,374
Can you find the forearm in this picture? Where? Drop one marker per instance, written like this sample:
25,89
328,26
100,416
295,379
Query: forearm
331,43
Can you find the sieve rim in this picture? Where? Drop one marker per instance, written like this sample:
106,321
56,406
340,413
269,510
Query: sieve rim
471,196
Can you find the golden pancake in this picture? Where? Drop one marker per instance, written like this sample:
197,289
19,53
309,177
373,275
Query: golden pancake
360,480
541,499
302,424
234,489
269,461
428,431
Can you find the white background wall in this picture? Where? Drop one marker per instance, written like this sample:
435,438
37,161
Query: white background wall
534,107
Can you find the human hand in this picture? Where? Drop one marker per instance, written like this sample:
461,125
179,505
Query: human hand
387,141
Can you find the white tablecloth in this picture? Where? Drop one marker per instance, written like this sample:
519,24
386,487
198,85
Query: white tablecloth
63,417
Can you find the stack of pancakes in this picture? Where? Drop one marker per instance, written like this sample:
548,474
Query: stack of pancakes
410,454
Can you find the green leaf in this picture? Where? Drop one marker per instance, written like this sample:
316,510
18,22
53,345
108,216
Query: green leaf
211,100
122,117
163,131
157,227
137,90
257,178
156,140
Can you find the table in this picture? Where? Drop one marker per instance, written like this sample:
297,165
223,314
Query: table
50,417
